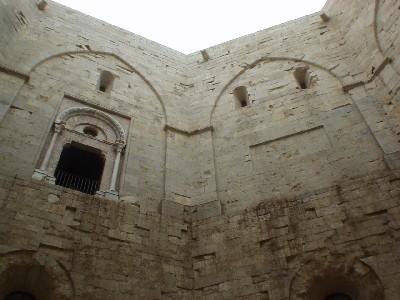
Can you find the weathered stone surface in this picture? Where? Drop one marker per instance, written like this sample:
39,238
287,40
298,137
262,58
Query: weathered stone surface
288,189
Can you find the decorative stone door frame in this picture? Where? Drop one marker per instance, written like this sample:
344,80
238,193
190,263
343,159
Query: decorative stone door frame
65,132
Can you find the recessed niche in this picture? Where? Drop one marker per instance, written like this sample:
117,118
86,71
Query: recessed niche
241,97
106,81
302,77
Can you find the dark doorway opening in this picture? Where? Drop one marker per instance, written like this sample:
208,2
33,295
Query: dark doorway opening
19,296
80,168
337,297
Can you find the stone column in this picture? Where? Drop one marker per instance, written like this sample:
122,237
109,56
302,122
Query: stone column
58,127
118,149
41,173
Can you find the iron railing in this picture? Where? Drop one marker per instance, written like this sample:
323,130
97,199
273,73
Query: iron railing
76,182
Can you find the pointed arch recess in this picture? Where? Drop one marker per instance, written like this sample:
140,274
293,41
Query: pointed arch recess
130,68
267,59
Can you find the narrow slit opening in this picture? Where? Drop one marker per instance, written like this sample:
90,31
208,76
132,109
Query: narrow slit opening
241,96
106,81
302,77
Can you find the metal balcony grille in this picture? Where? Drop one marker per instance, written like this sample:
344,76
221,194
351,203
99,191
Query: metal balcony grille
76,182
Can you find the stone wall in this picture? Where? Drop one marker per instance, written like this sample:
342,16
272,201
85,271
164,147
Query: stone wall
262,252
294,196
60,244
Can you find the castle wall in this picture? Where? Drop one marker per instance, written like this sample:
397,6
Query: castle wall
76,76
16,18
386,23
294,196
261,253
107,249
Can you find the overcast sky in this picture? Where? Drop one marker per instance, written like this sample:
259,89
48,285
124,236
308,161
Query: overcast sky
189,26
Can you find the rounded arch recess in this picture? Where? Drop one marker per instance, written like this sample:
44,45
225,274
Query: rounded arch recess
34,273
336,274
267,59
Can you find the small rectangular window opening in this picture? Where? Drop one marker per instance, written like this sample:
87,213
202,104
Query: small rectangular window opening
106,81
302,77
241,96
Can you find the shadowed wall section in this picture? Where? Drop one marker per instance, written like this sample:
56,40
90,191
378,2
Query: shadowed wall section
266,167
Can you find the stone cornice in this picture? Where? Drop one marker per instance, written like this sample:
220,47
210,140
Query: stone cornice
13,72
188,133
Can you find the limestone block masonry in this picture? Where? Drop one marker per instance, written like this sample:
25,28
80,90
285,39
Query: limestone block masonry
266,167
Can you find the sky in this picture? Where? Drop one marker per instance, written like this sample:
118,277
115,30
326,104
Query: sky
189,26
